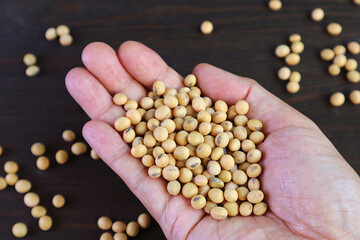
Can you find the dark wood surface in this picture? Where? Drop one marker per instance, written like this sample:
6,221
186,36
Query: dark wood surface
39,108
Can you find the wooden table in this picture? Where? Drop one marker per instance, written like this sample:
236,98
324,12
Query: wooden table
245,35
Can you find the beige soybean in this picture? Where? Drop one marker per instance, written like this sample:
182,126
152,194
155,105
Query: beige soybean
294,38
154,171
29,59
134,116
275,5
23,186
190,80
195,138
173,187
68,135
106,236
62,156
32,71
353,76
11,179
213,167
355,97
51,34
292,59
206,27
130,104
219,117
284,73
242,193
45,223
254,184
216,195
189,190
158,88
31,199
337,99
11,167
254,125
171,101
104,223
148,160
198,202
282,51
260,208
245,209
118,227
353,47
334,70
295,77
327,54
240,133
225,176
120,99
203,150
38,211
62,30
257,137
221,140
120,236
317,14
132,229
227,162
239,157
216,183
200,180
219,213
38,149
217,153
340,60
162,112
253,170
122,123
58,201
144,220
19,230
232,208
351,64
244,166
231,195
3,183
339,50
247,145
334,29
239,177
138,150
255,196
66,40
161,134
208,206
242,107
253,156
170,173
297,47
146,103
204,116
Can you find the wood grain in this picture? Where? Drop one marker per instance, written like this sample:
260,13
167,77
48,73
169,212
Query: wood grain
245,35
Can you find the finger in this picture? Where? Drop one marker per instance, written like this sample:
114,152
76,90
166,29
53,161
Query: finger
92,96
146,66
108,144
101,60
219,84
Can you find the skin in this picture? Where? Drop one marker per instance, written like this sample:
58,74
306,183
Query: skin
311,190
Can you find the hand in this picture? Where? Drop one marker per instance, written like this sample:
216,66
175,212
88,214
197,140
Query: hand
311,190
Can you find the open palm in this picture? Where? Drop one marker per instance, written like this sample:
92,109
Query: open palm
311,191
